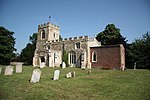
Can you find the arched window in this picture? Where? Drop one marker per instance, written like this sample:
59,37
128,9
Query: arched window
43,34
72,59
94,56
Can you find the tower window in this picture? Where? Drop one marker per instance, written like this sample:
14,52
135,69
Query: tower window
43,34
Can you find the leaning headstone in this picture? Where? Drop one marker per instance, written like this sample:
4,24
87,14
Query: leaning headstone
19,68
36,75
56,74
0,70
68,75
63,65
73,74
8,70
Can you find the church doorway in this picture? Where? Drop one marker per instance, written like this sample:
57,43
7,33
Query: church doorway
42,59
42,62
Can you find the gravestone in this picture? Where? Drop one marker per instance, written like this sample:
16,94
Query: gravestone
134,65
0,70
73,74
8,70
68,75
42,64
18,67
89,71
63,65
56,74
36,75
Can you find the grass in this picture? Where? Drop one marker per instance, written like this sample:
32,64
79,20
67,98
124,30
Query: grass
99,85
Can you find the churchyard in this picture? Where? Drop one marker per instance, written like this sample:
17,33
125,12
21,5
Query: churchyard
94,84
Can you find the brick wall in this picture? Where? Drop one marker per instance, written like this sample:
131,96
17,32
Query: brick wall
108,56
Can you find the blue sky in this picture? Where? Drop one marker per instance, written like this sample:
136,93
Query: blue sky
75,17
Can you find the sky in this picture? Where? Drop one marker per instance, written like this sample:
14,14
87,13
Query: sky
75,17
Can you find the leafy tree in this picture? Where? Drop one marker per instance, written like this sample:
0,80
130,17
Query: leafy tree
129,56
140,49
28,52
7,42
111,36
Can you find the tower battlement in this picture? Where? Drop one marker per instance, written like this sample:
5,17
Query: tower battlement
48,24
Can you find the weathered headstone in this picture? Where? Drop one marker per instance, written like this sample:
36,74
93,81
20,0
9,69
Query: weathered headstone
8,70
63,65
19,68
73,74
68,75
36,75
89,71
56,74
134,65
0,70
42,64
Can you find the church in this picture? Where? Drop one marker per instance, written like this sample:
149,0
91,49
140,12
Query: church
82,51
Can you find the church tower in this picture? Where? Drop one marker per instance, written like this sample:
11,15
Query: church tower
48,32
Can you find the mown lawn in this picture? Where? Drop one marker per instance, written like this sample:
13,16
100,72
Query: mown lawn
99,85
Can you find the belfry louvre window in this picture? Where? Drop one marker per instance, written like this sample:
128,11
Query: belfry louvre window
94,56
72,57
43,34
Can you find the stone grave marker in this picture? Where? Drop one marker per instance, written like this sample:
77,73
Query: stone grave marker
36,75
134,65
0,70
68,75
18,67
42,64
89,71
63,65
8,70
56,74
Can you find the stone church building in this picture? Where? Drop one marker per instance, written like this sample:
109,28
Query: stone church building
50,48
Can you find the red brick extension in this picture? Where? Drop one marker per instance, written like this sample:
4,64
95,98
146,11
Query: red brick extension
110,57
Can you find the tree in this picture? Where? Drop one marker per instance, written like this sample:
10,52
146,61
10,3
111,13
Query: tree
28,52
111,36
7,42
140,49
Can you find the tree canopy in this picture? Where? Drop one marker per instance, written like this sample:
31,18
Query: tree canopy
7,43
111,36
140,51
